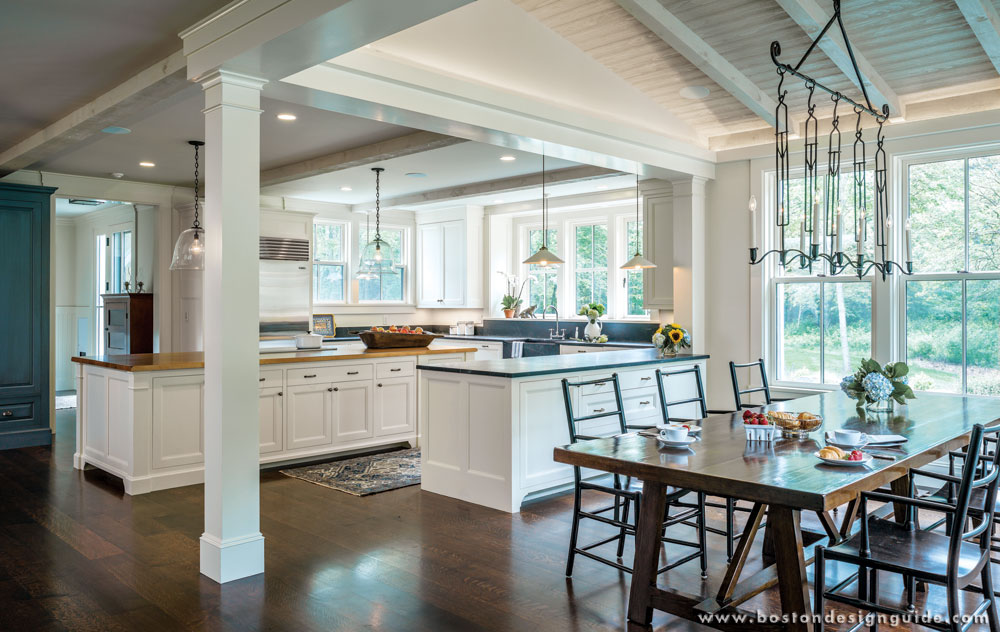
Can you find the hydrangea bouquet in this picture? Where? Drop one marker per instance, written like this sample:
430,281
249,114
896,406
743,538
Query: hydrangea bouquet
876,386
670,338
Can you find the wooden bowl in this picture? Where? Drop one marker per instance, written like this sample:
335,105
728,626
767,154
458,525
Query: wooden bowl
391,340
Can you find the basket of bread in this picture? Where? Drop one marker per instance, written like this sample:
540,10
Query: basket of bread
795,425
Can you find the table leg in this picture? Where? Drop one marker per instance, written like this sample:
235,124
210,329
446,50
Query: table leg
850,515
900,487
793,586
647,553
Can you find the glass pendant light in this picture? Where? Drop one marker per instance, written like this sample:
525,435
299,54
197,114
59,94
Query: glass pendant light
189,251
364,271
638,262
544,257
378,255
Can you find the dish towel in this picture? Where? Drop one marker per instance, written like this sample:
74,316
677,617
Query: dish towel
516,348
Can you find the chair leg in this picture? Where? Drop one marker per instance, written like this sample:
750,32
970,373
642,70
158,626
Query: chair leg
730,527
953,608
575,530
621,533
618,516
702,536
991,612
819,587
873,597
911,587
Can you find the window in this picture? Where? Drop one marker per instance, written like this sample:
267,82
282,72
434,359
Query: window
329,262
821,327
543,281
591,259
633,278
952,339
389,287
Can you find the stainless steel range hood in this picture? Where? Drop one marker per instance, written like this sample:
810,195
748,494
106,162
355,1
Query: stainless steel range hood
285,286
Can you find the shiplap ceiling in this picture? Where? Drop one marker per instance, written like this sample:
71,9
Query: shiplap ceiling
922,49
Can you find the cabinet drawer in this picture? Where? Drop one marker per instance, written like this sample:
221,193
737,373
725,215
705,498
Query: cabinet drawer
642,404
314,375
395,369
637,379
602,387
16,412
270,379
595,405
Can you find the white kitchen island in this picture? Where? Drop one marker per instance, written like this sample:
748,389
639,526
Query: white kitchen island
489,427
140,417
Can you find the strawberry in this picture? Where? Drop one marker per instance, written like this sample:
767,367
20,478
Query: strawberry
856,455
747,414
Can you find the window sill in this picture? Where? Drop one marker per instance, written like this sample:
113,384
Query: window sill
364,308
796,390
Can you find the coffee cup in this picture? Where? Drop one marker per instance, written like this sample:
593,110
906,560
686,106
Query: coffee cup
674,433
847,437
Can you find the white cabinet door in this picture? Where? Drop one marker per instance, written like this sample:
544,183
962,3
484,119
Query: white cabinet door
488,351
272,420
178,428
455,264
430,265
395,406
353,416
309,417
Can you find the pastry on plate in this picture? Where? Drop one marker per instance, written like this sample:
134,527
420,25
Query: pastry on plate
832,452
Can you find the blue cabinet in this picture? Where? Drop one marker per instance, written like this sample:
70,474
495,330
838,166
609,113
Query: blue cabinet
24,315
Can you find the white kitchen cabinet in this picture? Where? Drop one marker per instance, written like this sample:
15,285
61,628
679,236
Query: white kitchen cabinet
272,419
309,415
488,351
395,406
353,414
449,258
569,349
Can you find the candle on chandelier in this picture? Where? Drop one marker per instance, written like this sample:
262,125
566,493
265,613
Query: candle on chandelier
802,236
753,221
817,227
861,232
839,243
906,239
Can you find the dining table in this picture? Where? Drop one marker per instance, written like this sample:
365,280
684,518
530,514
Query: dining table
780,479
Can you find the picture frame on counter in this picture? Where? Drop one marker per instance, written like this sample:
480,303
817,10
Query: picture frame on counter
324,325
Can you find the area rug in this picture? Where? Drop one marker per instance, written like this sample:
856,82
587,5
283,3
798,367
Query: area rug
65,401
365,475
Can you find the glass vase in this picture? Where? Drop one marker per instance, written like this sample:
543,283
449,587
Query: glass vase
880,406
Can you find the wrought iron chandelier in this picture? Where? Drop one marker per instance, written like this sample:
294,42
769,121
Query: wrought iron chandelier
822,230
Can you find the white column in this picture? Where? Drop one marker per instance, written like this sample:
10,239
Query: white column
657,244
689,258
231,546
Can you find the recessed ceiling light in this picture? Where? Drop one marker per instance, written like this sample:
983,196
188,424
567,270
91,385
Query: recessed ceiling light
114,129
346,189
694,92
497,201
416,174
117,175
508,158
146,163
285,116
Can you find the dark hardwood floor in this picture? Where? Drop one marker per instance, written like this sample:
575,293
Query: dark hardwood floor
78,554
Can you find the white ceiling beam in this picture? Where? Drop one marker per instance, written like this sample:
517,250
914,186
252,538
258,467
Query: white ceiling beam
985,23
161,80
811,18
415,143
490,187
697,51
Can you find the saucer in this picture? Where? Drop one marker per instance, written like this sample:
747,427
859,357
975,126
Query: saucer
832,440
676,444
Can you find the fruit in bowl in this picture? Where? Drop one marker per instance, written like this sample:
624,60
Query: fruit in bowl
751,418
795,424
393,329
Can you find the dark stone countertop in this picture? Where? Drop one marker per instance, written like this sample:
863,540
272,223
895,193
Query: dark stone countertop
610,343
555,364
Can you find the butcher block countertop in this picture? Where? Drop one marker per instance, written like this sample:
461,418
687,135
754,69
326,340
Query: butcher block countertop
196,359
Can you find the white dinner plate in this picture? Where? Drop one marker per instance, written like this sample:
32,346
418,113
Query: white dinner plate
676,444
866,459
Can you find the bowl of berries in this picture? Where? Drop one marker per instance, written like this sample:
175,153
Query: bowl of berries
758,427
396,337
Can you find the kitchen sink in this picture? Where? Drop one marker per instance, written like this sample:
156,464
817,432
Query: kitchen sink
534,348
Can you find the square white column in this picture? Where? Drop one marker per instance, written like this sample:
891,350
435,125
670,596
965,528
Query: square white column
232,546
689,258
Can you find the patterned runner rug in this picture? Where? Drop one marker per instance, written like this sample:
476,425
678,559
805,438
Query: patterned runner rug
364,475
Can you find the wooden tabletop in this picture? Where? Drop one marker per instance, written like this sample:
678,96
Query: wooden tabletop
786,472
196,359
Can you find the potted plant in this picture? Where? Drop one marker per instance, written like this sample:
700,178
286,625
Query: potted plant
670,338
592,311
511,301
876,387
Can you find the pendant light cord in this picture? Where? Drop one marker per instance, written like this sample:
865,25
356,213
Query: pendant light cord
196,184
545,205
637,213
378,203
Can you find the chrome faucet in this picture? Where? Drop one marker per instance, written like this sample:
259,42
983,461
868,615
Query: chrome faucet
554,334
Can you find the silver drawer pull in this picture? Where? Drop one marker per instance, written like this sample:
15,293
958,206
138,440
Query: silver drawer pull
8,413
261,379
598,410
580,351
309,375
394,370
600,384
645,403
352,372
645,378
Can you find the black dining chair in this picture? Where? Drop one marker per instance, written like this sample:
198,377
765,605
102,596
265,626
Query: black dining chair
954,560
625,496
729,504
739,393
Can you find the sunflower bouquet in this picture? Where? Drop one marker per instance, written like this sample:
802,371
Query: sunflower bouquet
670,338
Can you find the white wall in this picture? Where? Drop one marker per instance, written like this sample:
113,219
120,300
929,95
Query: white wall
68,307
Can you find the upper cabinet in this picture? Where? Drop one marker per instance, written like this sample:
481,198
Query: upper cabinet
450,258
